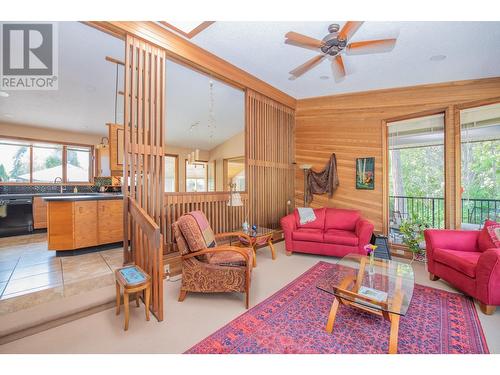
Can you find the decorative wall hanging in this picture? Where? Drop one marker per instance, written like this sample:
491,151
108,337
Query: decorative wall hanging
365,173
322,182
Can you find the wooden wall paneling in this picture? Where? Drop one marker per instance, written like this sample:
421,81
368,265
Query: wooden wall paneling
269,159
351,126
144,162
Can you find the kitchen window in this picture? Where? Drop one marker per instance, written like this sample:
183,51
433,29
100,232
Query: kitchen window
36,162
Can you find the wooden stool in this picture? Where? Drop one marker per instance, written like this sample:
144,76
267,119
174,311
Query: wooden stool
133,280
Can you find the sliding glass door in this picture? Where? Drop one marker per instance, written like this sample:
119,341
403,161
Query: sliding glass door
416,174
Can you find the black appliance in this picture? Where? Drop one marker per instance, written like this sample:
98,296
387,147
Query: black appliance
16,216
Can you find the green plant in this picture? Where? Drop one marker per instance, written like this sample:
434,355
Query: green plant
413,233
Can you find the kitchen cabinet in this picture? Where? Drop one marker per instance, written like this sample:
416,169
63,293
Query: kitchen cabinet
116,148
103,168
110,214
39,213
75,223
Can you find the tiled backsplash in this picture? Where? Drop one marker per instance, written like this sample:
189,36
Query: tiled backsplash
36,189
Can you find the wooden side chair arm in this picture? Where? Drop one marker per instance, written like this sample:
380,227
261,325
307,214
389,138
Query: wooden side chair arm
234,234
218,249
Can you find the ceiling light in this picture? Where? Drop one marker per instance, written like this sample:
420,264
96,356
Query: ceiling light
437,57
324,77
4,94
8,115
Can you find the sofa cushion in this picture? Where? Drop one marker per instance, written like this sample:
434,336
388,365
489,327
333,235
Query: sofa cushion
341,237
308,234
319,223
461,261
484,240
337,218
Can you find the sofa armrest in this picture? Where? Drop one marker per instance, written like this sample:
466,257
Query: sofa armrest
364,231
488,277
288,225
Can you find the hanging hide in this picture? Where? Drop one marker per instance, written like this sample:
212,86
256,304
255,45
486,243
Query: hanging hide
325,181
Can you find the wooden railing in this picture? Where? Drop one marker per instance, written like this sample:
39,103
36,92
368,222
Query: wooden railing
146,251
222,217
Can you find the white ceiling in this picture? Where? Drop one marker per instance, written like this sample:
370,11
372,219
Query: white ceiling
188,102
84,101
472,50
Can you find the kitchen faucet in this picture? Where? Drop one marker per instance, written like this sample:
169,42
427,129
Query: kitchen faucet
60,179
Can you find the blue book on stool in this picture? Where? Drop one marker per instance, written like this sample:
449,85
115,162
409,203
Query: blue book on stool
132,275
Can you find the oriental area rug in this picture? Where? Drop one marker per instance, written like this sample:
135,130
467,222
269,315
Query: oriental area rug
293,321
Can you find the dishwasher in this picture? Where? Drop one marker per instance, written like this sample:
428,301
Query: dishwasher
16,216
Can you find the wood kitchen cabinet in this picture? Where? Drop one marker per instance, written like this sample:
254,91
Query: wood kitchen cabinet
116,148
39,213
110,214
75,224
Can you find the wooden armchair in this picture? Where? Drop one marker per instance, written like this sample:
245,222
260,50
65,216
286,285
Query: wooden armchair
218,268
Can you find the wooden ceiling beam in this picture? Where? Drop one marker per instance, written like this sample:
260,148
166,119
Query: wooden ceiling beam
184,51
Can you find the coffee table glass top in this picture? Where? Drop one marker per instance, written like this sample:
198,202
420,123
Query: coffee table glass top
384,285
260,231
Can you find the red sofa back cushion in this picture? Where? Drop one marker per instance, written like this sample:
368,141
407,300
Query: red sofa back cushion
337,218
319,223
484,240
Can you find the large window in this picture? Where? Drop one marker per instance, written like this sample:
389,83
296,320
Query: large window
170,173
43,162
196,176
416,173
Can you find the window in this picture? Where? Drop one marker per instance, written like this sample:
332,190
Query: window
196,176
42,162
14,161
170,173
47,163
78,163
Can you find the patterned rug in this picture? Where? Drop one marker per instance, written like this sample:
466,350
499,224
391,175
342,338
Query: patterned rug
293,321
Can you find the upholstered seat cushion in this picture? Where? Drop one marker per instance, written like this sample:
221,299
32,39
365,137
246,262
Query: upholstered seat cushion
230,258
341,237
306,234
462,261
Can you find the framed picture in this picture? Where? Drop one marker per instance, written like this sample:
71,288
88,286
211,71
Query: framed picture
365,173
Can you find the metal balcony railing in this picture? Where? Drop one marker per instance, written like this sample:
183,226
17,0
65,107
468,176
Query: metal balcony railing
431,210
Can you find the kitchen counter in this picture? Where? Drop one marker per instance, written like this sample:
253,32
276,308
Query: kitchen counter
29,195
83,197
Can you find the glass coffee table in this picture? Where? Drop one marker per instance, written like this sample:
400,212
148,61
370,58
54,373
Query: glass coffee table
381,287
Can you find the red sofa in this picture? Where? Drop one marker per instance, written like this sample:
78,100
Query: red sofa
467,259
335,232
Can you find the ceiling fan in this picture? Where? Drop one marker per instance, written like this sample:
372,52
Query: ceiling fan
333,45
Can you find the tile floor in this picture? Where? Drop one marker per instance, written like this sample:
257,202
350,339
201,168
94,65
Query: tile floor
27,266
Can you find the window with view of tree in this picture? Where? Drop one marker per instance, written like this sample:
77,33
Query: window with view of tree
480,154
196,176
416,173
47,162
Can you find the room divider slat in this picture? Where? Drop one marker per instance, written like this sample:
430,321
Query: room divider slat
143,182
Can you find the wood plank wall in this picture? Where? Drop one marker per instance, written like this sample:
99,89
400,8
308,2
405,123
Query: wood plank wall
351,126
144,163
222,218
270,155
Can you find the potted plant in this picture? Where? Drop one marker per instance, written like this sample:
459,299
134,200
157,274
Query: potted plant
413,236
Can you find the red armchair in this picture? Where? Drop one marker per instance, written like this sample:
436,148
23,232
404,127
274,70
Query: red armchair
335,232
468,260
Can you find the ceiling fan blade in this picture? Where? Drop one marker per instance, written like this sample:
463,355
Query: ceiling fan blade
293,43
349,29
309,64
338,68
296,38
370,46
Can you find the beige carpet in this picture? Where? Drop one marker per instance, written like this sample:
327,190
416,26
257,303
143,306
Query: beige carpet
198,316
